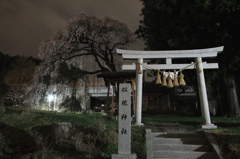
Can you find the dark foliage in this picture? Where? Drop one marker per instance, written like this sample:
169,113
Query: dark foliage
9,63
196,24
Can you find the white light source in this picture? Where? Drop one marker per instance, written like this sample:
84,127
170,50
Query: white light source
54,99
50,98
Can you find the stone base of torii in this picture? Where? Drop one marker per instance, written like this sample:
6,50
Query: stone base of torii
169,55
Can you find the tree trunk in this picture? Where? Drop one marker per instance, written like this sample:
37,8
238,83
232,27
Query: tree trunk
222,89
73,98
234,109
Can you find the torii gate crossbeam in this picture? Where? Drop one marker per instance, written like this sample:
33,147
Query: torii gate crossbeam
196,54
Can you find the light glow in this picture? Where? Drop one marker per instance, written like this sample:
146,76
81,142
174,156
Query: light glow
50,98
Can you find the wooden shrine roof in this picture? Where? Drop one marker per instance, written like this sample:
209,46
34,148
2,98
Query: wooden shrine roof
118,76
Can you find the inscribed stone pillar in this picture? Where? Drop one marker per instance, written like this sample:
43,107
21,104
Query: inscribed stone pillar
124,124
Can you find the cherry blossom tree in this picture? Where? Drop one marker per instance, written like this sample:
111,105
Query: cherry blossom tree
86,43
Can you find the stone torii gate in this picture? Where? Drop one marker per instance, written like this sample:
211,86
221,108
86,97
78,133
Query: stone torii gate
169,55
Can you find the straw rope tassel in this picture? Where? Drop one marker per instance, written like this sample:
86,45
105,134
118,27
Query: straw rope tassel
175,82
181,80
199,70
164,82
158,78
139,68
170,84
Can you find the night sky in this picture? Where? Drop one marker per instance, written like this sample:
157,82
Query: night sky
25,23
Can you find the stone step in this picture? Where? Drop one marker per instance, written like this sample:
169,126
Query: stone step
181,158
180,141
175,130
181,154
180,135
177,147
184,145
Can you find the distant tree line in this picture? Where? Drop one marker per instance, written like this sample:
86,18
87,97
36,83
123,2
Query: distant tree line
15,73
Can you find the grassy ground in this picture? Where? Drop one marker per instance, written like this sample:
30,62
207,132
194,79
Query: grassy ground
91,136
95,136
227,125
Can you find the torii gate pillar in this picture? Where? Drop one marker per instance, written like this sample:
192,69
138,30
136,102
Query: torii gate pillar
139,93
197,54
203,95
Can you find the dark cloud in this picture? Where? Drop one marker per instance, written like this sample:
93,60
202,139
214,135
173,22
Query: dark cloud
25,23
